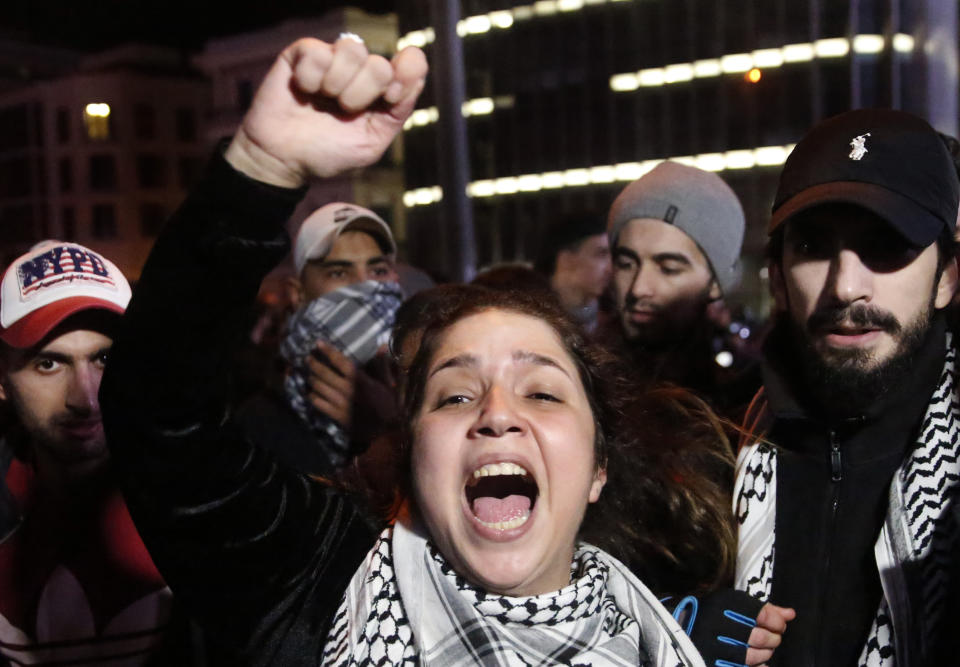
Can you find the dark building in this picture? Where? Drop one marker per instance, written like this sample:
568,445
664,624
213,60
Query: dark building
99,152
568,100
102,148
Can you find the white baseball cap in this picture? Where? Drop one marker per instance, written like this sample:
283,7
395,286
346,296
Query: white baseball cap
51,282
322,227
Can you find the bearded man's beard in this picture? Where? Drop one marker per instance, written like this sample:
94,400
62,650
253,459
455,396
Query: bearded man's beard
844,382
676,348
675,324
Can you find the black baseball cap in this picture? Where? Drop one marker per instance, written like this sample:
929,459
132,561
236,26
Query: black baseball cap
891,163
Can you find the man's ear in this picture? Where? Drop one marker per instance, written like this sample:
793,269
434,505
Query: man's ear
778,289
715,291
294,289
947,286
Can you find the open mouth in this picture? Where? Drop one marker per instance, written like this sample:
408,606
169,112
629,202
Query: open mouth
501,495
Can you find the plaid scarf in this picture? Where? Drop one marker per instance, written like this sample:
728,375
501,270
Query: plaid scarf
913,550
406,605
355,319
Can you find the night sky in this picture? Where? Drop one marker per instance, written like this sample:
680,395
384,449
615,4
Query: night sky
99,24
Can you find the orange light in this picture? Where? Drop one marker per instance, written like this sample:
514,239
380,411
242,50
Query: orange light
754,75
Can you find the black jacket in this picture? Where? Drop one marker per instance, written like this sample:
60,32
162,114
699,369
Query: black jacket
197,484
833,477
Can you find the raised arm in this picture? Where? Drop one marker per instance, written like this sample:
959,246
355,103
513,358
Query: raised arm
258,551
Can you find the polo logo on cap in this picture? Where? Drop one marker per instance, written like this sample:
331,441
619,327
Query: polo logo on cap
61,264
858,147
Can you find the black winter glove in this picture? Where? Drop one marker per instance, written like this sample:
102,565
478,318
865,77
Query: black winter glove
719,625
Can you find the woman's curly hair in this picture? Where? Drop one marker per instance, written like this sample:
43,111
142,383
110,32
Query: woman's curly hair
665,510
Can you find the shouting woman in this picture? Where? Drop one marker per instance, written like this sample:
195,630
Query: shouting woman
509,437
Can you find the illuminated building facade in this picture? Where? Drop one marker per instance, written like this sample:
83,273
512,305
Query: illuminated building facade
568,100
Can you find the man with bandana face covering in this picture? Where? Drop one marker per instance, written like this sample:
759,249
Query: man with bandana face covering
845,517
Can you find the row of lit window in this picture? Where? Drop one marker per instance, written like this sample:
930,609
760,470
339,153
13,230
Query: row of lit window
504,19
479,106
837,47
766,156
500,20
99,125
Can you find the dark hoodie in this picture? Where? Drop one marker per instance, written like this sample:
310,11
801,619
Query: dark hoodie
833,478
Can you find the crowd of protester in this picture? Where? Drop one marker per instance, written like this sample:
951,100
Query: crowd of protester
546,466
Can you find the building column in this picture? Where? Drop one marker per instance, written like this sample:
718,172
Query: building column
930,90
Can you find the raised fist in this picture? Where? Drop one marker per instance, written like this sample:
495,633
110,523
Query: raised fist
325,109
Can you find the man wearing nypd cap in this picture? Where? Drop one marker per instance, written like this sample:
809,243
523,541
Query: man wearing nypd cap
76,582
845,516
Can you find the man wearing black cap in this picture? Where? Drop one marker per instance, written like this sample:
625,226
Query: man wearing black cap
575,257
846,518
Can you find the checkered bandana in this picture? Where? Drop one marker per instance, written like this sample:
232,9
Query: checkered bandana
413,608
357,320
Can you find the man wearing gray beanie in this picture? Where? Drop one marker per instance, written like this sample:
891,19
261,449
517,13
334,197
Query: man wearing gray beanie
675,236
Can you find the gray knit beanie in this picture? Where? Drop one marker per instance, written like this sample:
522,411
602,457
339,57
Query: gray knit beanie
697,202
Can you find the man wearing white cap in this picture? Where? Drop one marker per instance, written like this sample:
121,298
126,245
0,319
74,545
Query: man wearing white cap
338,245
76,582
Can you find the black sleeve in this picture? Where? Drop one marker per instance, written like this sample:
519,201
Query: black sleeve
258,552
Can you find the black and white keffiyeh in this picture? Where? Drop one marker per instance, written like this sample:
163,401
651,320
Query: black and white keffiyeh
406,605
755,496
357,320
371,627
913,550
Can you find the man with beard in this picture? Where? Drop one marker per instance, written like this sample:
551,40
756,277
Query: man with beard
76,582
846,517
675,236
